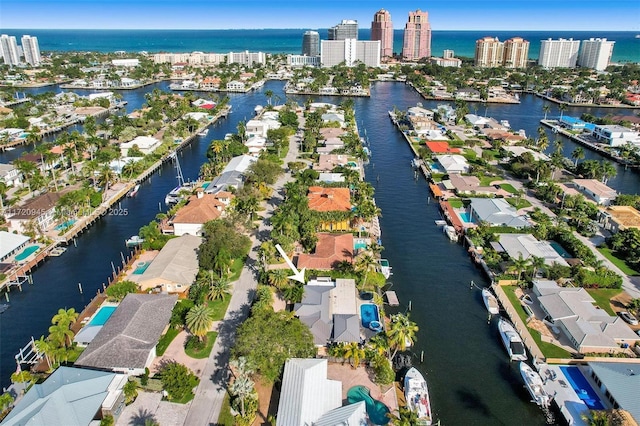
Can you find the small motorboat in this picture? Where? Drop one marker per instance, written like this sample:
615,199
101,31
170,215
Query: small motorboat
57,251
490,302
134,191
204,132
134,241
416,395
534,385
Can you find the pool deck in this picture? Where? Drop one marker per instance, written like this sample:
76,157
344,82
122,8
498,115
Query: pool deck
570,405
145,256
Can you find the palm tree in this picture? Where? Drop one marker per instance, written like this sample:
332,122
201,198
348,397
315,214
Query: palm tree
577,154
219,288
546,109
242,387
608,170
519,265
130,391
269,95
365,263
65,316
278,278
293,293
562,108
60,334
354,352
537,263
199,320
401,333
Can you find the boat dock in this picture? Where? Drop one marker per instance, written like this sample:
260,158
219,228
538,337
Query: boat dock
392,298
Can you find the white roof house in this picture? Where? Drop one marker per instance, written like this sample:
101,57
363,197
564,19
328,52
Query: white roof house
574,312
146,145
596,190
621,381
453,163
239,164
306,393
496,212
10,243
256,145
196,115
70,396
517,151
528,246
476,120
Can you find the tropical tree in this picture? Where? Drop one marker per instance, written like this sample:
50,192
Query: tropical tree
546,109
65,316
130,391
608,170
242,387
354,352
405,417
537,263
219,288
577,154
519,265
278,278
44,347
364,264
562,107
199,320
401,333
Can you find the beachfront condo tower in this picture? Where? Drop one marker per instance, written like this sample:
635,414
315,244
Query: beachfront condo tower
595,53
347,29
311,43
417,36
9,48
31,50
350,52
560,53
489,52
382,30
516,53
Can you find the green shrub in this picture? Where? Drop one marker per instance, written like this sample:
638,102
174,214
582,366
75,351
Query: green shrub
195,344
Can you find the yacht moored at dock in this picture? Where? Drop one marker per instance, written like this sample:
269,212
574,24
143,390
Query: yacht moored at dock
134,241
416,395
490,302
204,132
385,269
534,384
511,341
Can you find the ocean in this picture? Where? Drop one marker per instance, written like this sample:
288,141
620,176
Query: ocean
626,48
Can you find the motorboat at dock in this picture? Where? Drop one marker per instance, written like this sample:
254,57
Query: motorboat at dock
512,341
490,302
416,395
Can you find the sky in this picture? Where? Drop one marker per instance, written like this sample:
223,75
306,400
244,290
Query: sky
594,15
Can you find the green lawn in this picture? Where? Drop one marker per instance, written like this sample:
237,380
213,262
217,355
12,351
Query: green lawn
490,154
456,203
166,340
608,253
549,350
225,418
219,307
153,385
602,296
486,180
518,203
236,269
204,353
509,188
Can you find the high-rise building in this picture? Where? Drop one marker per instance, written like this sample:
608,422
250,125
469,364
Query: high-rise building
448,54
595,53
31,50
311,43
516,53
347,29
417,36
349,51
489,52
9,48
448,59
382,30
560,53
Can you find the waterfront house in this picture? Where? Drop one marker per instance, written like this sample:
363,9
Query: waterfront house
256,144
527,246
334,117
575,313
331,249
175,268
70,396
328,162
465,185
496,212
127,342
616,135
330,177
441,147
453,163
11,244
327,200
38,211
236,86
232,175
517,151
618,382
10,175
146,145
619,218
330,310
596,191
200,209
309,398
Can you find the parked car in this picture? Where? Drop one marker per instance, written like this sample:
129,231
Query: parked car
628,317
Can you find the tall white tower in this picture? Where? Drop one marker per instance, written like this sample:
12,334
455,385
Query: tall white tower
9,48
31,50
595,53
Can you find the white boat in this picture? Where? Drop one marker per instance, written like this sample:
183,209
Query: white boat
175,195
57,251
134,241
416,163
9,148
134,191
416,394
385,269
505,123
204,132
441,223
534,384
450,231
511,341
490,301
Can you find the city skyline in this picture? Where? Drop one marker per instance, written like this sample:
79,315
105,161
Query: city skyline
621,15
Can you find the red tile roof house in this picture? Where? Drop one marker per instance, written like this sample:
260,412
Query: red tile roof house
331,249
441,148
329,199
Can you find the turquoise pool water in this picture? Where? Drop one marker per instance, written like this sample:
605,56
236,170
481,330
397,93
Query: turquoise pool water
582,388
368,313
560,250
359,244
65,225
27,252
466,217
376,410
141,267
102,315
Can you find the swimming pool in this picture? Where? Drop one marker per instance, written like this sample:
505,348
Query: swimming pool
368,314
141,267
466,217
65,225
103,314
27,252
560,250
582,387
376,410
359,243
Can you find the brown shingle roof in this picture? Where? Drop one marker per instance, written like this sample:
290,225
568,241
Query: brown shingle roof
200,210
329,199
36,206
330,250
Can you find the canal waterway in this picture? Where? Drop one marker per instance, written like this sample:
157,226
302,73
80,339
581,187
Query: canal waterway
470,378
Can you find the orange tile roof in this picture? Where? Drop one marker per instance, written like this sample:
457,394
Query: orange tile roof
441,147
330,250
329,199
200,210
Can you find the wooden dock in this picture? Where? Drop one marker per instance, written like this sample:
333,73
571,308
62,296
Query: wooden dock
392,298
